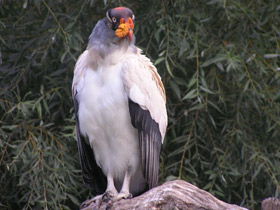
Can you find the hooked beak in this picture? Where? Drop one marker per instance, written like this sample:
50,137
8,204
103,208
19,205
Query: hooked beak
125,29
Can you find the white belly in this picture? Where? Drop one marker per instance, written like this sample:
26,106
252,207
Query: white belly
104,118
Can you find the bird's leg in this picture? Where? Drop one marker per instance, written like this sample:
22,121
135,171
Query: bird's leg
107,197
124,193
111,191
111,194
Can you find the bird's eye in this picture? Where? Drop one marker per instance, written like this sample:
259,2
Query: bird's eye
133,17
114,19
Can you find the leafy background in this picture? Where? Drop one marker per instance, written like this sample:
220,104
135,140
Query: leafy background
219,60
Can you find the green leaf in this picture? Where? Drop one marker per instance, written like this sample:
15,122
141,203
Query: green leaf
175,88
206,90
168,68
214,60
191,94
159,60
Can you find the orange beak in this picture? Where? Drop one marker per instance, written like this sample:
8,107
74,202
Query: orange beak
125,29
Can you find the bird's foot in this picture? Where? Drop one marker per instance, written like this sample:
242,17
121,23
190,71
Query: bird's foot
122,195
118,197
109,196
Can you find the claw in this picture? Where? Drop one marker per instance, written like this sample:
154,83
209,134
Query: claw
122,195
109,196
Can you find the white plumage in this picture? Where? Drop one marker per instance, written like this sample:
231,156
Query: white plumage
105,119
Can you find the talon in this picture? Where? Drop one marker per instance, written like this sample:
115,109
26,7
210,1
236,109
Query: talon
123,195
108,196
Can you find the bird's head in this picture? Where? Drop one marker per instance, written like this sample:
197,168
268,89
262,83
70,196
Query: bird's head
121,20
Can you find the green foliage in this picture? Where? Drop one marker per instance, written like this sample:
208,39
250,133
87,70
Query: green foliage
219,61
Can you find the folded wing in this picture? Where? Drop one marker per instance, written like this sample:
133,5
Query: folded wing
92,173
146,101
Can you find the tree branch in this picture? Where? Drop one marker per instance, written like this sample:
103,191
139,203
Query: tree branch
176,194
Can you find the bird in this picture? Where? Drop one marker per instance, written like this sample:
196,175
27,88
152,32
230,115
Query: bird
120,110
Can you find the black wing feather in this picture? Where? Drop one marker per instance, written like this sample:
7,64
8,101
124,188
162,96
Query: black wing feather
149,139
92,174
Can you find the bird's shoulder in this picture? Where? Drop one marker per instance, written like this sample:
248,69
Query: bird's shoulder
139,70
87,60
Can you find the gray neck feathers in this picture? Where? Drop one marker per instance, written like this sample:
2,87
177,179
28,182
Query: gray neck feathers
104,41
